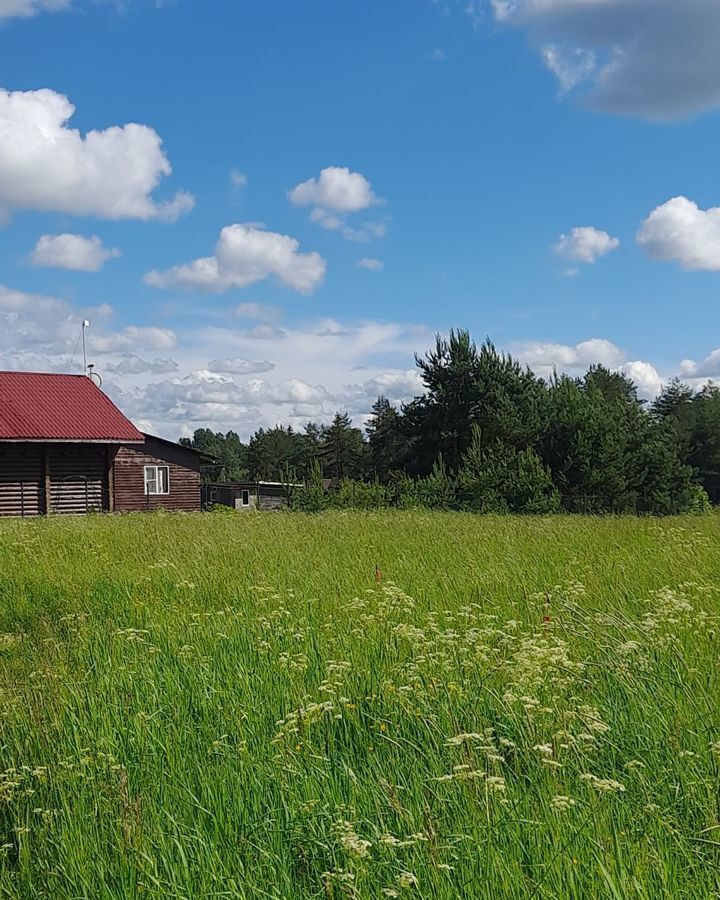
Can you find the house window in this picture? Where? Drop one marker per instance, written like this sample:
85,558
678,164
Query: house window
245,498
157,480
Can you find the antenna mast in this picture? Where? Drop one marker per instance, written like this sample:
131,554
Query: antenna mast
85,324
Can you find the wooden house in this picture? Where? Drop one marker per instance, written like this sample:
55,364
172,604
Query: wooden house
247,495
66,448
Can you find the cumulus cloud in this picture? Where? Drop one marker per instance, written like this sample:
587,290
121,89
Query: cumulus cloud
24,9
705,368
544,357
575,359
219,377
204,396
336,188
679,231
244,255
47,166
336,194
375,265
645,378
585,245
239,366
42,333
72,251
656,59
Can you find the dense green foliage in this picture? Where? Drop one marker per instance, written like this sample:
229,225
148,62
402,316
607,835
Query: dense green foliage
367,705
503,439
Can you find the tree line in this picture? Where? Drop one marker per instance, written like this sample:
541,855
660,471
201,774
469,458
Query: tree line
489,435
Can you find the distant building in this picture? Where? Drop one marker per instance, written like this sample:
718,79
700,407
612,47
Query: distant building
66,448
247,495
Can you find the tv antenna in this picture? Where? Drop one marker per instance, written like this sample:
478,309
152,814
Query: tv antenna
88,368
85,324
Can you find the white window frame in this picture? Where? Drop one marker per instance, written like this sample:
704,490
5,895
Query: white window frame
243,494
152,477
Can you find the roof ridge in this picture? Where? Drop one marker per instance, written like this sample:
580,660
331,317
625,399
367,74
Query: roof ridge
46,374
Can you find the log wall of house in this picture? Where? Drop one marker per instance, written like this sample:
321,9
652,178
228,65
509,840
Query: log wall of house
128,474
22,479
78,478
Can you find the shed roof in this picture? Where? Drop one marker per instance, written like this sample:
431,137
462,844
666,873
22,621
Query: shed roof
47,407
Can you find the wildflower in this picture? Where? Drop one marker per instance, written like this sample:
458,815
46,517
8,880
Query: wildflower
561,802
545,749
407,880
350,841
391,841
496,784
603,785
340,876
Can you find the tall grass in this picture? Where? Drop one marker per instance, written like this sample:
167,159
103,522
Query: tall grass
359,705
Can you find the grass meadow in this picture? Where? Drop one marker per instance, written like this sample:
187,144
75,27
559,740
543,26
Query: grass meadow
371,705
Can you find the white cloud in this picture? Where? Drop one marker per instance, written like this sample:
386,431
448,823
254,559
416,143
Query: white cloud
585,245
369,231
72,251
242,379
240,366
706,368
42,333
325,219
134,337
544,357
656,59
265,332
645,377
438,56
375,265
244,255
47,166
24,9
569,65
336,194
132,364
261,312
679,231
337,188
237,179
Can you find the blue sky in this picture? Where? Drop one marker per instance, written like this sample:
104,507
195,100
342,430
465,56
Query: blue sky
459,141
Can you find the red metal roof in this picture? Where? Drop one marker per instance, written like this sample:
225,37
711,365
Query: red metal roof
42,407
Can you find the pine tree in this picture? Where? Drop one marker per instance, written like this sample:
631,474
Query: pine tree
342,449
504,479
465,387
386,442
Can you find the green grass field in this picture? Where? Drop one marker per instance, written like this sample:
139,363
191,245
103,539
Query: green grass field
238,706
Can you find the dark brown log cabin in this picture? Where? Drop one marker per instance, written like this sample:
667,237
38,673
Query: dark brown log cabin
66,448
